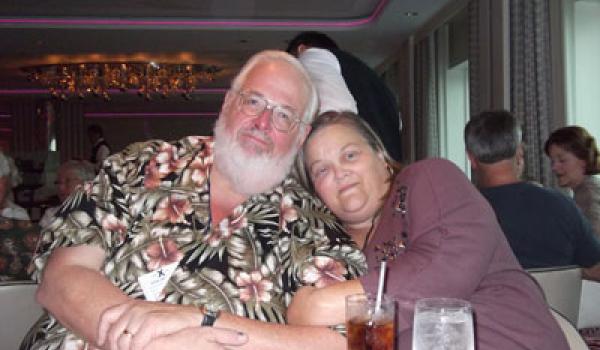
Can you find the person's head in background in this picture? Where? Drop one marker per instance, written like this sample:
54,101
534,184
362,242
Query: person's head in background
9,178
493,140
265,117
306,40
345,163
573,154
94,133
72,174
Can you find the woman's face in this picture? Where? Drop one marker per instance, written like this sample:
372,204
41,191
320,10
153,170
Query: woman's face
569,170
348,175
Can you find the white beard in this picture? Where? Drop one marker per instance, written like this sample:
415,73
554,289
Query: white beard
249,173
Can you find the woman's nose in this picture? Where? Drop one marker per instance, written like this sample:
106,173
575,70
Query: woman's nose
340,173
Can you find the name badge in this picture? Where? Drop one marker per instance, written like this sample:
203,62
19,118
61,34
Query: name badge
153,283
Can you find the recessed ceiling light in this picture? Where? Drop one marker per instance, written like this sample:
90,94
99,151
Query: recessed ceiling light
411,13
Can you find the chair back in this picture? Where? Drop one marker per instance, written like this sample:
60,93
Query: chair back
562,288
18,312
589,309
574,339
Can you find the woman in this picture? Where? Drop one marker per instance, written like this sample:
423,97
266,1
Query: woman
18,236
447,241
575,159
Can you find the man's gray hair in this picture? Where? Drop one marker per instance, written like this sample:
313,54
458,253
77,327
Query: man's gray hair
83,169
274,55
492,136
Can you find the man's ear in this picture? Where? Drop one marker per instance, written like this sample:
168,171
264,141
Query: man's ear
301,48
472,160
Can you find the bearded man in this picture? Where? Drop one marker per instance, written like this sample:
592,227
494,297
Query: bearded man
172,238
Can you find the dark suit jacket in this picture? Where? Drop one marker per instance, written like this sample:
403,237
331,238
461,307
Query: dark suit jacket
376,103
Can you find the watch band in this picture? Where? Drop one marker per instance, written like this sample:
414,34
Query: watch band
210,317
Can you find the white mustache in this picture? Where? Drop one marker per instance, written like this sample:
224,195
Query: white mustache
257,134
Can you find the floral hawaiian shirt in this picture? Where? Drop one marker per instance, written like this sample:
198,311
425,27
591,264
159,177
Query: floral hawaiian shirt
149,208
17,243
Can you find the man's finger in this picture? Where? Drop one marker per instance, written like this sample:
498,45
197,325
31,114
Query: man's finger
108,317
226,336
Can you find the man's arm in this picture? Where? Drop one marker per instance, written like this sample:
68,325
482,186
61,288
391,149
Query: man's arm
75,292
591,273
148,322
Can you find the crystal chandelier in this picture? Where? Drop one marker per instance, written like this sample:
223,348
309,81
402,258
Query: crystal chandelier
100,79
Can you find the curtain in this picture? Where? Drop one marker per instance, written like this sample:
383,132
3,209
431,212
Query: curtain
475,104
26,127
71,136
426,115
531,81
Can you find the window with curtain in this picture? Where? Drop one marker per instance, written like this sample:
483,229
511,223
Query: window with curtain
582,30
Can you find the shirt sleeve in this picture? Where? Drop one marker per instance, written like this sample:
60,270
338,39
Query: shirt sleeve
96,214
587,243
325,72
451,237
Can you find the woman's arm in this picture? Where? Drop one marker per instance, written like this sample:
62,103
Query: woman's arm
322,306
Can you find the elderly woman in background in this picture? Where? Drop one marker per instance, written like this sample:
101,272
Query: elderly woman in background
448,241
575,160
71,175
9,178
18,236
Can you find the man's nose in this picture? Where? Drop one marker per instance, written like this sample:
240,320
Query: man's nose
263,120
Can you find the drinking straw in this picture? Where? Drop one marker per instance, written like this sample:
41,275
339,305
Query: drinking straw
380,286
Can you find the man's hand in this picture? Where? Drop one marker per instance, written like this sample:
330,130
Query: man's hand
134,324
202,338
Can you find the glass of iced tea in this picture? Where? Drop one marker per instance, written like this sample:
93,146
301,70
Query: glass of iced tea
367,328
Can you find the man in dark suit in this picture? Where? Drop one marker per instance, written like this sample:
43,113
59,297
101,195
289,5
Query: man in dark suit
374,102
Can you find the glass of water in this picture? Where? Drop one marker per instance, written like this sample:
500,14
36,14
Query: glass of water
443,324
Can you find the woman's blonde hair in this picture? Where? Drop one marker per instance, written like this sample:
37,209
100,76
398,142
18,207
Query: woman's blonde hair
355,122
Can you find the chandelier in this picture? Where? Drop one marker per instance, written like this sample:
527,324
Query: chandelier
100,79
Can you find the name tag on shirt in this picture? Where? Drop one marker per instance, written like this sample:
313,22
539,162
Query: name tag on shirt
153,283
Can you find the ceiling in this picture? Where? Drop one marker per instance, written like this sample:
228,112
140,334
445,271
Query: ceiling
221,32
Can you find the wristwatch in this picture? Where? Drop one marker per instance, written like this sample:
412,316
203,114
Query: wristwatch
210,316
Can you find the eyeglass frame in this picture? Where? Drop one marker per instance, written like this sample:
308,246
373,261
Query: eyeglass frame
296,120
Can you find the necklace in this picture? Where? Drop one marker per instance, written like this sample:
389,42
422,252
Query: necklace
368,236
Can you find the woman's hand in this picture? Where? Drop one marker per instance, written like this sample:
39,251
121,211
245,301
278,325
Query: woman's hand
202,338
321,306
132,325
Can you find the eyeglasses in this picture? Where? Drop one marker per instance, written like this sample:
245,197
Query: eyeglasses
283,118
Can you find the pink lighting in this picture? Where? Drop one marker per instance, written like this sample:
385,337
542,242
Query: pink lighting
151,114
106,22
129,91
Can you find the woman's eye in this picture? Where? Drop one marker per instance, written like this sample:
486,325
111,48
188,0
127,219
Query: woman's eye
351,155
319,172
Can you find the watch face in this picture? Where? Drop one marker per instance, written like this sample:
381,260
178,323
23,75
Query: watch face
210,316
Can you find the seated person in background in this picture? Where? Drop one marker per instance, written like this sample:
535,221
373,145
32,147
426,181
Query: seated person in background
213,225
576,163
544,227
18,236
100,148
446,238
70,176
